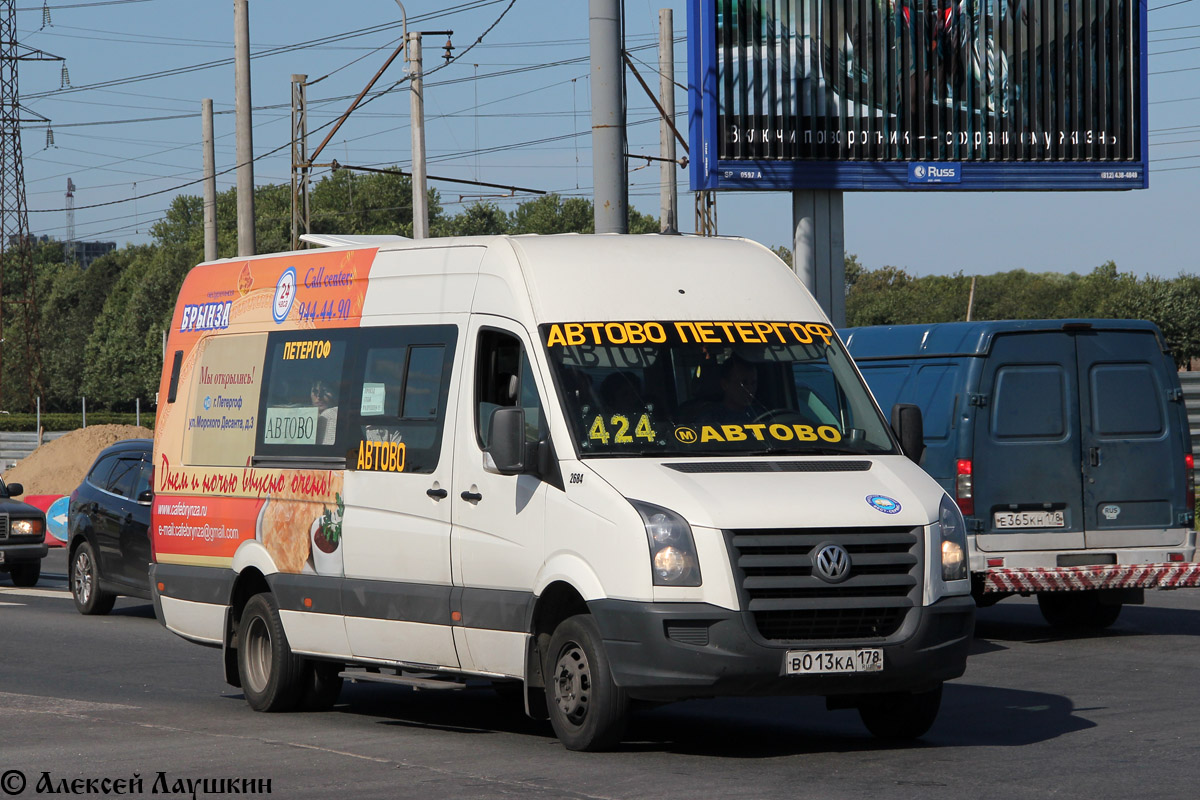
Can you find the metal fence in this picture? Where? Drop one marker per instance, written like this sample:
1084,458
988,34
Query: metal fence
1190,381
15,445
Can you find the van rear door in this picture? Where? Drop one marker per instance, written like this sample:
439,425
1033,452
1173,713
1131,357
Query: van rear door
1028,445
1133,473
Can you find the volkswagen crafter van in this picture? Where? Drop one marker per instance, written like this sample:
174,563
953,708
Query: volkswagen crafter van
1066,445
604,469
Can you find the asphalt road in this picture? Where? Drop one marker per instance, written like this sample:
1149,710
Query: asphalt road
1036,715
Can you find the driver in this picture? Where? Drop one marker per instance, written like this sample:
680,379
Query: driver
739,383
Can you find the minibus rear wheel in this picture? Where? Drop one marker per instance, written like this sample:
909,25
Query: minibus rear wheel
901,715
273,678
587,709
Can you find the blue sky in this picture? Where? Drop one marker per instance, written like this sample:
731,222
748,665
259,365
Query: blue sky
516,110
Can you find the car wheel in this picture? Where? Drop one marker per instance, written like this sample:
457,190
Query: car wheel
1075,612
322,685
901,715
84,578
25,573
272,676
587,709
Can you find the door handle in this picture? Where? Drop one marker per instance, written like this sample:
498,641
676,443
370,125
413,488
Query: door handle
437,494
1094,456
471,497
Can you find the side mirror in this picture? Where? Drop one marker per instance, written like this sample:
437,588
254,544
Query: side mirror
507,448
15,490
146,497
909,428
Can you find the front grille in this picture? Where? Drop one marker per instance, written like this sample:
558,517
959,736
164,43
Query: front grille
789,602
3,526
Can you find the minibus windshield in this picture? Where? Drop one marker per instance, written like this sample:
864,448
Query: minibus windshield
711,388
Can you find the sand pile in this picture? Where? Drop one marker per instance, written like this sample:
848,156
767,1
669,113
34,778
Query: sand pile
58,466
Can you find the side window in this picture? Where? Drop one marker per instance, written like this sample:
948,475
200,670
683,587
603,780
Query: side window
400,391
98,477
504,378
304,395
145,480
124,477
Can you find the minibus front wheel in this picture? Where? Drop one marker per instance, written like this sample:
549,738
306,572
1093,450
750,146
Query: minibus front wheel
587,709
273,678
901,715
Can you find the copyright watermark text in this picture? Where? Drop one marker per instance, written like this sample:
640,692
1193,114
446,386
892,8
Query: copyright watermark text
14,782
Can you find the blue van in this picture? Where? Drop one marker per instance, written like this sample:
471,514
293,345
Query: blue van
1065,444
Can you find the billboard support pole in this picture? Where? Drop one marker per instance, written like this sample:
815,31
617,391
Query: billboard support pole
819,248
610,192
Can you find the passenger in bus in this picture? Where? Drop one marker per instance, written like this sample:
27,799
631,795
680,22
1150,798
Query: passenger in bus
324,397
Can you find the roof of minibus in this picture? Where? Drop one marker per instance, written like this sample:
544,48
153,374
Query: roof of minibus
582,277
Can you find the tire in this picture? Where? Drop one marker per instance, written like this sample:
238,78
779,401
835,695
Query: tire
901,715
84,579
25,573
322,685
587,710
273,678
1076,612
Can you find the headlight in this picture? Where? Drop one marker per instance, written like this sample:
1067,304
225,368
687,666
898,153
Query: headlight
673,559
954,541
26,527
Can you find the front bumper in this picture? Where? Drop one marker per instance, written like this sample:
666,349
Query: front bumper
673,651
23,553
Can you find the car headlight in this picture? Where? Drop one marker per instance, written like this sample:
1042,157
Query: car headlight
26,527
954,541
673,559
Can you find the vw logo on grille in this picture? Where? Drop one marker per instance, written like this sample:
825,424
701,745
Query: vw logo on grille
832,563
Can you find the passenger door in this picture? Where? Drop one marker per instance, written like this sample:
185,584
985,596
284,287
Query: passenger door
396,529
1028,445
118,514
1133,479
499,520
135,530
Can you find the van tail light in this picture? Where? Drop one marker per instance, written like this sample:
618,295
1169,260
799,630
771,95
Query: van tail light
1189,478
964,486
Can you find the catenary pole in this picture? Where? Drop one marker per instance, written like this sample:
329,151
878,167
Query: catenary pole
420,200
610,192
210,180
669,194
245,141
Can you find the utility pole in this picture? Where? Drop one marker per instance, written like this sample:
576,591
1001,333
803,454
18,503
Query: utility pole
210,180
245,140
609,181
420,202
669,193
300,166
16,251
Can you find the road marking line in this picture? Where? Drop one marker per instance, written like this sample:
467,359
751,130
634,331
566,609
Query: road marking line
61,594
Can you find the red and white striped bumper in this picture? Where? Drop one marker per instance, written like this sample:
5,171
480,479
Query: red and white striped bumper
1117,576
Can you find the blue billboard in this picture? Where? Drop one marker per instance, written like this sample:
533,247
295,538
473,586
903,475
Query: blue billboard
927,95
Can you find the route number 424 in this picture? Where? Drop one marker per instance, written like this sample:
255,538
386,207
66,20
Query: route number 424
619,433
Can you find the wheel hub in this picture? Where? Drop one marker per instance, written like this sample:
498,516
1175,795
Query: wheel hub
83,578
572,683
